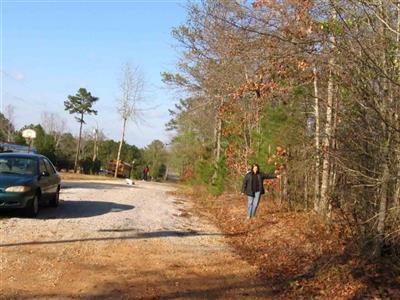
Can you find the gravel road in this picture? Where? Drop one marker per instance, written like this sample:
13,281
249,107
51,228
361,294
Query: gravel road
109,240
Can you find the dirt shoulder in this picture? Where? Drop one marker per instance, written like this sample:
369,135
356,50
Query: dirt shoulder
108,240
294,253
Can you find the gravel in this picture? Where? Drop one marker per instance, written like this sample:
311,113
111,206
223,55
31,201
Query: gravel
110,240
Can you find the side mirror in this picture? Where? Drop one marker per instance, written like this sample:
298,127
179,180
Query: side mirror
44,174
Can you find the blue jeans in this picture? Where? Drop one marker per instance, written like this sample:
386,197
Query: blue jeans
252,204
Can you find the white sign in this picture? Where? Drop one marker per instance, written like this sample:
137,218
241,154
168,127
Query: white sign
29,134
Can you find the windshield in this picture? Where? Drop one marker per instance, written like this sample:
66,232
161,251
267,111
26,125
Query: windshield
17,165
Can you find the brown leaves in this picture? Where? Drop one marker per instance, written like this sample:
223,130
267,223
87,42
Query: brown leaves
299,4
287,248
302,65
261,89
279,159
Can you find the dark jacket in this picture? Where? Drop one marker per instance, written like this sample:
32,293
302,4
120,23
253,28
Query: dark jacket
247,183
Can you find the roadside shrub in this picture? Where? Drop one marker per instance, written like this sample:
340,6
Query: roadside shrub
88,166
204,171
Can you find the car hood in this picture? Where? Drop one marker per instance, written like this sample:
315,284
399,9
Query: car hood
7,180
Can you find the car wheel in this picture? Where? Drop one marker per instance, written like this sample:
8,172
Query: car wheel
32,209
56,199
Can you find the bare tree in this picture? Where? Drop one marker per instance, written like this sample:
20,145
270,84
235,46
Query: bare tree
55,125
95,143
324,206
131,88
9,113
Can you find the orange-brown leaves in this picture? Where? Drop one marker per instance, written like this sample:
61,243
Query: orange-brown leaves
261,89
279,159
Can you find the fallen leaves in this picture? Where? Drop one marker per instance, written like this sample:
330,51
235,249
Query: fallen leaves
294,252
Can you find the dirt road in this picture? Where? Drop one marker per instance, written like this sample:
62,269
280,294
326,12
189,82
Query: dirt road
108,240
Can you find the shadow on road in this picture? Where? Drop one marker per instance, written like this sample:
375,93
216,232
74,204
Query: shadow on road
73,209
137,236
81,209
94,185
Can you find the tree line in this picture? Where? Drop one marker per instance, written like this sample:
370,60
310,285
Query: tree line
308,88
91,151
96,150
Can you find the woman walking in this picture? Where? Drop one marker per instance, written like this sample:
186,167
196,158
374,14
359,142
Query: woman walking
253,187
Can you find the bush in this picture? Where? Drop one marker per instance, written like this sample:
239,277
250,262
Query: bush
88,166
213,177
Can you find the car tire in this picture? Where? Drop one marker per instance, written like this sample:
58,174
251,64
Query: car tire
56,199
32,210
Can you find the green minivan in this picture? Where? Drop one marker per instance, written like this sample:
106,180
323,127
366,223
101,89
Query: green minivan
27,181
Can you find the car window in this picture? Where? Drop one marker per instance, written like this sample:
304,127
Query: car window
49,167
17,165
42,166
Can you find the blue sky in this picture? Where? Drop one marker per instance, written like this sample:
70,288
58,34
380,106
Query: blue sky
51,48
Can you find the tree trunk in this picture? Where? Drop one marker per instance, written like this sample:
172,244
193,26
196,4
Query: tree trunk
9,133
385,101
317,144
78,147
306,190
58,138
258,123
166,172
95,145
382,209
285,187
332,169
120,148
217,150
218,144
324,206
217,141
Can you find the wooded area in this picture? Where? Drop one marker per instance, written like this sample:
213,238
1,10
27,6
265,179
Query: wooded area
309,88
54,140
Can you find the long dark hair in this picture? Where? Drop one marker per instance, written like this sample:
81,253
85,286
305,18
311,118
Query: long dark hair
255,165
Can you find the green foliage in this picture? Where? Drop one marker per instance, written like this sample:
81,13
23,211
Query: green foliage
88,166
63,161
275,126
209,174
44,143
155,156
108,150
5,127
81,104
203,172
218,185
19,139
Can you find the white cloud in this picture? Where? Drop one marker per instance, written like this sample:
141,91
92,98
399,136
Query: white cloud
18,76
15,75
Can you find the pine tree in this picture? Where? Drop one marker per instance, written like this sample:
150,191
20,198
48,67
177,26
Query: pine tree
80,104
